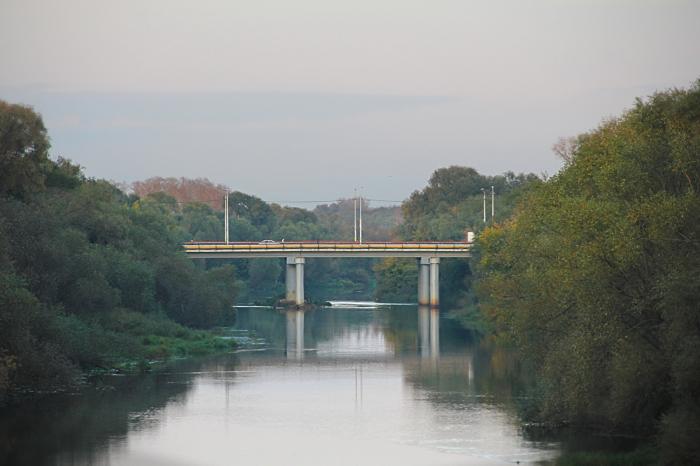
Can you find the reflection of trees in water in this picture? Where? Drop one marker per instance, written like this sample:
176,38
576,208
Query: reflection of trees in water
319,325
398,325
460,364
400,329
481,372
269,324
75,429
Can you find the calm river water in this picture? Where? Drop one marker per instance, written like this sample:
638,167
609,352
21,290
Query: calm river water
394,385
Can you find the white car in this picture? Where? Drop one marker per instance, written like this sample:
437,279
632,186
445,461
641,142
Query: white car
268,241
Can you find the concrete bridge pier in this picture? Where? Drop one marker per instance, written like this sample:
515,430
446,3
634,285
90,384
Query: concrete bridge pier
434,281
300,280
424,281
429,281
295,280
291,280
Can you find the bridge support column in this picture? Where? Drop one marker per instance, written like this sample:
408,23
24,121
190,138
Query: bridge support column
299,281
429,281
291,280
424,281
434,281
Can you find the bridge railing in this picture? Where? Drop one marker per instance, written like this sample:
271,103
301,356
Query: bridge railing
295,246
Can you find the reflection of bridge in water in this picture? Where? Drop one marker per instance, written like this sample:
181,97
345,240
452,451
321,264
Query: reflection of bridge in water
427,254
428,336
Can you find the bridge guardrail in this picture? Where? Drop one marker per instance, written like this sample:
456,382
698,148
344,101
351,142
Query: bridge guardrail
296,246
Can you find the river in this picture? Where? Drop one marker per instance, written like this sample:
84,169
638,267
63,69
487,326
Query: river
332,386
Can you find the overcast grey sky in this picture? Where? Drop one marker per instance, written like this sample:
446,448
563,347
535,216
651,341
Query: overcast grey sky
307,99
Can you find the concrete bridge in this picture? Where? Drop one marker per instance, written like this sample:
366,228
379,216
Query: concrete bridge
427,254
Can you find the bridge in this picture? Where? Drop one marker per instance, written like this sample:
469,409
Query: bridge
427,254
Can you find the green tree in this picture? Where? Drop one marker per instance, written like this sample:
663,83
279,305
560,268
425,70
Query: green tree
253,209
397,280
445,210
595,277
24,147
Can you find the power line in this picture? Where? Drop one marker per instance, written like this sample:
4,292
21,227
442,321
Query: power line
384,200
306,202
175,201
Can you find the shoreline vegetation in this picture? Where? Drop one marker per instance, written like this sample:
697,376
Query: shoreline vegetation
91,277
594,278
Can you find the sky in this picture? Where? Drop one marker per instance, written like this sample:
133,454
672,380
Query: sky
312,99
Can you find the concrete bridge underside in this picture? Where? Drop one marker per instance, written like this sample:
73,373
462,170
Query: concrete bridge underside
428,256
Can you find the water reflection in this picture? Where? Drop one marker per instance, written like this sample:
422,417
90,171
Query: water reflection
353,386
429,332
70,429
295,334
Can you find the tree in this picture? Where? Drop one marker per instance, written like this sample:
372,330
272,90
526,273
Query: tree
397,280
595,277
445,210
254,209
24,147
184,190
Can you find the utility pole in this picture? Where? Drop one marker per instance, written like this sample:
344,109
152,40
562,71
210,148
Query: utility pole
226,217
354,214
360,216
493,203
483,191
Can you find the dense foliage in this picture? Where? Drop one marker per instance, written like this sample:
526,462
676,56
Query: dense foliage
445,210
252,219
596,278
197,206
88,275
184,190
452,203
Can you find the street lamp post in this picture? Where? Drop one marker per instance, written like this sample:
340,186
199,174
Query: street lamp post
493,202
354,214
483,191
360,214
226,218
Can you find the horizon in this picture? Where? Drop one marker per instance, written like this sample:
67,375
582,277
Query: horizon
315,100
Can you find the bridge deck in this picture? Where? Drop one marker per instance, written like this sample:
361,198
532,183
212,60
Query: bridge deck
209,250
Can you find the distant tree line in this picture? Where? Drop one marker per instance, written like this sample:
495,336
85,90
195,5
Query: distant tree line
253,219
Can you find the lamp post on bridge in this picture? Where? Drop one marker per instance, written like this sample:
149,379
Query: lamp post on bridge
226,218
483,191
360,214
354,214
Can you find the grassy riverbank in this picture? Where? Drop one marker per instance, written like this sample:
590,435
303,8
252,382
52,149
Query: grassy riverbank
157,339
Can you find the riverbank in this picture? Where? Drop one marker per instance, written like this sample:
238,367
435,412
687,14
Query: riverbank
120,342
160,347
